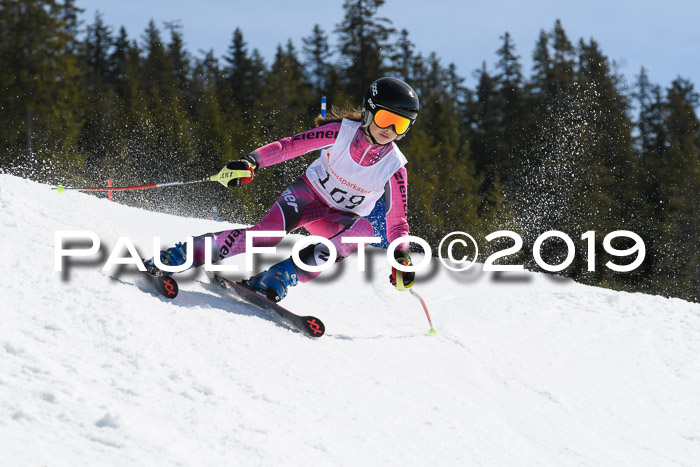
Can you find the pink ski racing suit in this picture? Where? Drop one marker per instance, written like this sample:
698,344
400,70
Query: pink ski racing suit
301,206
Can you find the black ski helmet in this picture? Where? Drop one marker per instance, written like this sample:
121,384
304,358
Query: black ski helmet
393,95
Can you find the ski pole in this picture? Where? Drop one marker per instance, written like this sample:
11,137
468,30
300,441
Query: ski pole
222,177
425,308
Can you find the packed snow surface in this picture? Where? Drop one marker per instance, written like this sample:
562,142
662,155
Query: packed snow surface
96,368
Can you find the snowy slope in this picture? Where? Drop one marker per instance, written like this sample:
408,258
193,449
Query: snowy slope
96,369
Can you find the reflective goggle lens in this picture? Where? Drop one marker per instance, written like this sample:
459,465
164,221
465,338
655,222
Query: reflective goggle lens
384,119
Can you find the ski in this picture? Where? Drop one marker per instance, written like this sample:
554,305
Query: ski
308,325
164,283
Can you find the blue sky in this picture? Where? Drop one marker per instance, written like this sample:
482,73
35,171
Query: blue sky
664,37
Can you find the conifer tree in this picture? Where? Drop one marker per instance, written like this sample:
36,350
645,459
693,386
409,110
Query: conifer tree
211,141
551,163
158,76
179,57
651,141
40,94
510,86
563,61
679,263
162,127
402,59
69,15
461,99
642,94
537,86
117,72
446,190
650,205
490,151
288,93
239,71
259,72
364,44
606,162
99,132
488,148
317,59
96,50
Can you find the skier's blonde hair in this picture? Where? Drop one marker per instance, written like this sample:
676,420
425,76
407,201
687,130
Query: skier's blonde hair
337,114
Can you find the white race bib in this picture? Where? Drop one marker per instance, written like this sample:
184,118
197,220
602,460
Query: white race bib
346,185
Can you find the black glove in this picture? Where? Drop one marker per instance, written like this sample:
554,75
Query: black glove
399,279
238,172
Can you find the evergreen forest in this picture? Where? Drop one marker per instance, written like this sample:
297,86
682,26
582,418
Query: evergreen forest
569,145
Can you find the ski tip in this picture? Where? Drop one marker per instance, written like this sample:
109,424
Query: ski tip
169,287
314,326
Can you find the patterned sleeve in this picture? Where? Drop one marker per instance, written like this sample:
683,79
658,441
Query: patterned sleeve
396,191
295,146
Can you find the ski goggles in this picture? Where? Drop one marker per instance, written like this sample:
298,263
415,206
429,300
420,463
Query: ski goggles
385,119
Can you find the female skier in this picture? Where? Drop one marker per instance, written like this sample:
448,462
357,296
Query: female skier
359,162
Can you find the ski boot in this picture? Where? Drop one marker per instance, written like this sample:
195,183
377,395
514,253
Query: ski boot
276,281
174,256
